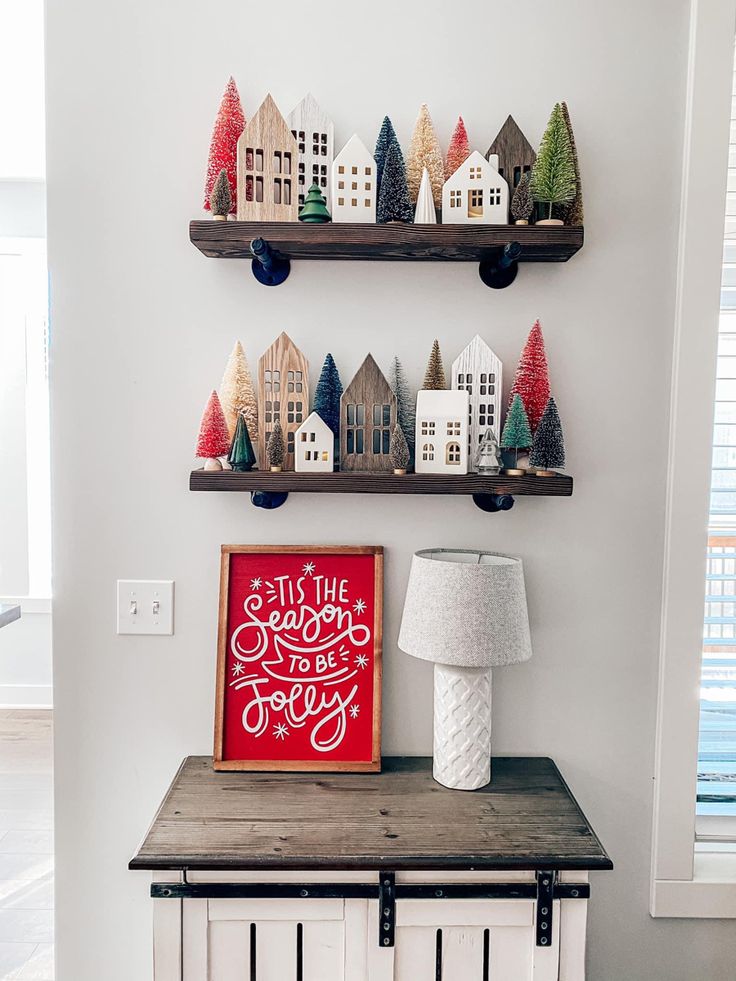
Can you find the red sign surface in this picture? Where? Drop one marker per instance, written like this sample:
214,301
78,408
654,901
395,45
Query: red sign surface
299,660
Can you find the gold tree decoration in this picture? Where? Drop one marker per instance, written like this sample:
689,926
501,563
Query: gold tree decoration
275,449
573,212
399,451
434,377
221,200
237,393
424,151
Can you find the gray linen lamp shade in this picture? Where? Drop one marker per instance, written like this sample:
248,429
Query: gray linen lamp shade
466,607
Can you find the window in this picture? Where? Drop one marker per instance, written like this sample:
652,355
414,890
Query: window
354,202
475,203
341,169
453,428
428,452
494,195
456,199
475,173
686,882
427,427
277,162
452,454
355,420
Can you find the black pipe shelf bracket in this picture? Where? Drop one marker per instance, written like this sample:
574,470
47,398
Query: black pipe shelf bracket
500,270
490,503
388,892
268,500
268,267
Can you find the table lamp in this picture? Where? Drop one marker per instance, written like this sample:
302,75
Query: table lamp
465,610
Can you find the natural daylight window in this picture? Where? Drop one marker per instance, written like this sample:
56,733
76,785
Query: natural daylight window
716,788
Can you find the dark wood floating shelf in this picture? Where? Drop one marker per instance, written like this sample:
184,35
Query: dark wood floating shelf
453,243
490,493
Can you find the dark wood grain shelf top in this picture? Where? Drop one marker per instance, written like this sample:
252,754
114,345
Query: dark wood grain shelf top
458,243
379,483
398,819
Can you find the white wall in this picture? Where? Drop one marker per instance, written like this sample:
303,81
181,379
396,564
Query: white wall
143,325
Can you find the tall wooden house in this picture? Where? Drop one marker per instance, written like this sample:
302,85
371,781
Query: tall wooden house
367,417
354,183
479,372
283,394
515,153
314,133
267,162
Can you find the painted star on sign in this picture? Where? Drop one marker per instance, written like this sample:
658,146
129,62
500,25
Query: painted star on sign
238,668
361,661
354,710
359,606
280,731
308,568
256,583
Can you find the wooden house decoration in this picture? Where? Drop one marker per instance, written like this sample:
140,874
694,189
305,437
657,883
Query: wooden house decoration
283,394
314,446
442,432
476,192
367,417
267,158
479,372
314,133
515,153
354,183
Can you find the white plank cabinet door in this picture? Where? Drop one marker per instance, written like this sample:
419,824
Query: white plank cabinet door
465,940
263,940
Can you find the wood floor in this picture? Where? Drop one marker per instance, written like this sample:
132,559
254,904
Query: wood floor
26,846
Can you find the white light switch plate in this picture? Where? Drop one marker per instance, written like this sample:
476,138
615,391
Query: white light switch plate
145,606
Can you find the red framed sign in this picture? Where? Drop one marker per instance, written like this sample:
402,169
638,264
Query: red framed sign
299,658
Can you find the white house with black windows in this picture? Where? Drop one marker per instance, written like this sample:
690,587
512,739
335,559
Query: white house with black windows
476,192
314,133
314,448
441,432
478,371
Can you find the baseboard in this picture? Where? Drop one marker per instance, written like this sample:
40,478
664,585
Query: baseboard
26,696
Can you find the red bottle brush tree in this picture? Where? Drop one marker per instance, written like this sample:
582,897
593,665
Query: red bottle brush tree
229,124
459,149
532,377
214,436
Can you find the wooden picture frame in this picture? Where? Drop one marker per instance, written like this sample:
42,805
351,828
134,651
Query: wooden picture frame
277,616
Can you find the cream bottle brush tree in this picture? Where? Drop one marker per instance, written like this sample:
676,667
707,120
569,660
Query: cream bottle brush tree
237,393
424,151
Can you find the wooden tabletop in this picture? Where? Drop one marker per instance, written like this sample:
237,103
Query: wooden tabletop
398,819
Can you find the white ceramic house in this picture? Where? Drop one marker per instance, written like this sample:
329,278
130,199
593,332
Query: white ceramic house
442,432
354,183
314,133
479,372
476,193
314,446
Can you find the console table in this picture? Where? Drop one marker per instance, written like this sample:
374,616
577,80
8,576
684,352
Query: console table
370,877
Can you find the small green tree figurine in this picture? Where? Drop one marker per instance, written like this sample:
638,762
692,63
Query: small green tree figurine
275,449
553,174
241,456
314,210
399,451
434,376
221,199
516,433
548,447
522,204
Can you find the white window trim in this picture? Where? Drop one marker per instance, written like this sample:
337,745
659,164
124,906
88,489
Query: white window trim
683,884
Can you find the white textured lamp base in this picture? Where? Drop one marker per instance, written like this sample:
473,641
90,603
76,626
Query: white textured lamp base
462,727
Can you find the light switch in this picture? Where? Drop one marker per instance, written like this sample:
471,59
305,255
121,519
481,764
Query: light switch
145,606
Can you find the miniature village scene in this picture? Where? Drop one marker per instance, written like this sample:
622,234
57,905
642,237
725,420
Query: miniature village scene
457,423
275,168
